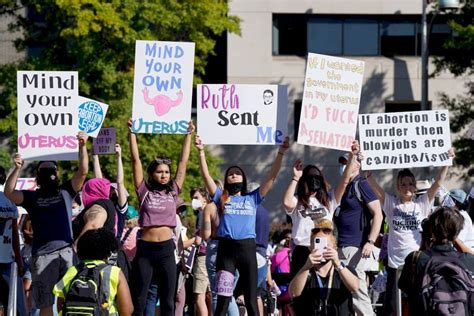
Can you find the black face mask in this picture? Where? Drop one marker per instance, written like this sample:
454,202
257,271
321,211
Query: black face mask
47,180
234,188
314,183
160,187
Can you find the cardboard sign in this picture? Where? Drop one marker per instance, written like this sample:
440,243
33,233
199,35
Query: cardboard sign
47,115
26,184
405,139
104,143
242,114
331,99
163,87
91,115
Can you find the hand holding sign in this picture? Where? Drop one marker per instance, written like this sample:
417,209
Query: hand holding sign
18,161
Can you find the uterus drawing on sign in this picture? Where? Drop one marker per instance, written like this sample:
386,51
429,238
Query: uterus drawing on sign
162,103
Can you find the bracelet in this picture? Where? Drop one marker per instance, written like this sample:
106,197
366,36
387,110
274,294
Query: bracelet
340,267
371,242
280,153
294,179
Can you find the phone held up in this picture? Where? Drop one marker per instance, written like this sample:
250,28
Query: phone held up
320,243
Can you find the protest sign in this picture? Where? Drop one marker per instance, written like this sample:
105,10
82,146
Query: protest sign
91,115
405,139
242,114
331,99
163,86
26,184
104,143
47,115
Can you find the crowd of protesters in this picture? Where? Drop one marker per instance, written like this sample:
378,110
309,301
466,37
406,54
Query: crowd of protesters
322,265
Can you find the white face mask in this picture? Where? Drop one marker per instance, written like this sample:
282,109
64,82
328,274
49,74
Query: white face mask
341,169
76,210
196,204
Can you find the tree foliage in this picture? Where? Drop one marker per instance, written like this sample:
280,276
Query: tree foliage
97,39
459,60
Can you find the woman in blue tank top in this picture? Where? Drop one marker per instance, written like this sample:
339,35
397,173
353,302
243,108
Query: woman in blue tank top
237,210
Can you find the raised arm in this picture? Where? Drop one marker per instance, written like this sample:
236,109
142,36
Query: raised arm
14,195
443,171
136,162
121,191
351,168
183,160
96,167
379,192
80,175
206,176
266,185
206,228
288,200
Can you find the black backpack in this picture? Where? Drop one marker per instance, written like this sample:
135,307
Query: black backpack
86,295
447,286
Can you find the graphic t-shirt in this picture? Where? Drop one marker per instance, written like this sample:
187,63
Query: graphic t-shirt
50,217
404,226
157,208
303,219
238,219
8,213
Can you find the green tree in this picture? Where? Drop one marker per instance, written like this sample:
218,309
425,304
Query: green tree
97,39
458,58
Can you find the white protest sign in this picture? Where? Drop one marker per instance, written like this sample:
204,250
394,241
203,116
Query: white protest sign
242,114
163,87
331,100
91,115
405,139
47,115
104,143
26,184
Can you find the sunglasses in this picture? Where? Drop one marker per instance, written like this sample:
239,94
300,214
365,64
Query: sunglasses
165,161
327,231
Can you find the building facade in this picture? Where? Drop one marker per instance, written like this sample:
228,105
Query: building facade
275,37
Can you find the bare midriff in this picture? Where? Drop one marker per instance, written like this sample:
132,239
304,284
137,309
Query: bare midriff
157,233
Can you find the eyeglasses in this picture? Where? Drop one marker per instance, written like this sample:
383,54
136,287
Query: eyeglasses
327,231
165,161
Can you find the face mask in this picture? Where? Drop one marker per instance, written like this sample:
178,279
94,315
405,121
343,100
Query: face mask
314,183
196,204
341,169
76,210
233,188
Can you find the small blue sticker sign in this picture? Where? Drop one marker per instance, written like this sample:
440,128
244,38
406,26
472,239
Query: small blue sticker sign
91,115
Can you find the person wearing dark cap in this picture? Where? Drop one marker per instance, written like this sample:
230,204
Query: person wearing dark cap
50,210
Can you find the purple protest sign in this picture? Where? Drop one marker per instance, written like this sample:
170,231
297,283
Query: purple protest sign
104,143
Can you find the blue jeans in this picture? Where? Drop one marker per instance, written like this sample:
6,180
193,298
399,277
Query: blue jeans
211,255
151,300
5,269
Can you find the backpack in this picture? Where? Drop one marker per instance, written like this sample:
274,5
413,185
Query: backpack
447,286
86,295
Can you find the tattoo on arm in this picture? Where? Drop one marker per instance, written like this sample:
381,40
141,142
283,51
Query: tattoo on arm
92,213
207,225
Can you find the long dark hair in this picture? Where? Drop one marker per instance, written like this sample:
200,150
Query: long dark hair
152,184
302,189
225,192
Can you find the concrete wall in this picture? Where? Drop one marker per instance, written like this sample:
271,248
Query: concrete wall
250,60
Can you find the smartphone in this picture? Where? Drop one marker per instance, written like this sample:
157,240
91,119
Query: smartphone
320,243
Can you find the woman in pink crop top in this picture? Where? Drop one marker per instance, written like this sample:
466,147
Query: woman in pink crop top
155,256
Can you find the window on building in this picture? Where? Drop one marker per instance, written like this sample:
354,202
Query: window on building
325,36
289,34
389,35
361,37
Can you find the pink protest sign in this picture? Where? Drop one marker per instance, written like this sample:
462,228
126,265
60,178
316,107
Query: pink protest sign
104,143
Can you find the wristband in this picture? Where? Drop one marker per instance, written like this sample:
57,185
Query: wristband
280,153
294,179
340,267
371,242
